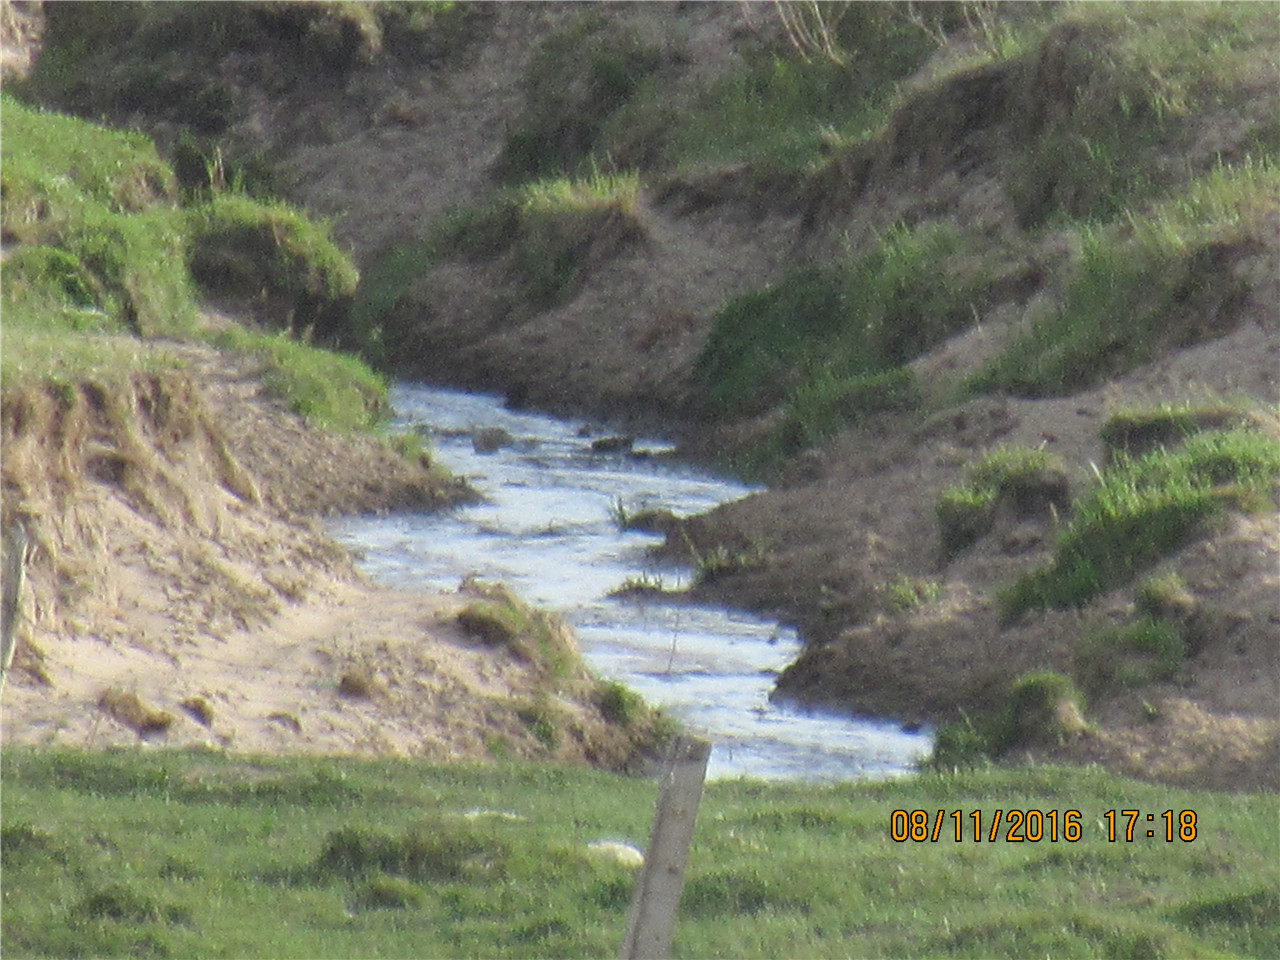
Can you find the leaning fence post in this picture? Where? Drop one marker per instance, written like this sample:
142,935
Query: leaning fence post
12,568
652,917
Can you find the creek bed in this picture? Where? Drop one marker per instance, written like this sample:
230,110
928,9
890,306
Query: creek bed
549,528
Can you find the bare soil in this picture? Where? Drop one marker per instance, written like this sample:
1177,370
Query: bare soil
180,591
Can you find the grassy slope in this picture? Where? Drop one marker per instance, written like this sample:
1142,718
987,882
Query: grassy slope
192,854
103,265
1102,157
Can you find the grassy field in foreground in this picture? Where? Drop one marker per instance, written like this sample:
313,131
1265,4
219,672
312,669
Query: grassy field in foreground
201,855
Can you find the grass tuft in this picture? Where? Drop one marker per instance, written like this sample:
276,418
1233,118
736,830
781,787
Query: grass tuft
329,389
1143,284
1144,509
1033,481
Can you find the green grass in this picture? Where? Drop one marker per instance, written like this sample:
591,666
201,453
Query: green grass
332,390
200,854
1142,285
577,79
548,230
1138,430
781,111
903,594
241,246
826,403
96,213
29,355
498,618
966,512
824,337
1126,91
1145,508
1037,709
103,264
1146,651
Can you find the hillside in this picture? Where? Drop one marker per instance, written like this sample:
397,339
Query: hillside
987,293
166,463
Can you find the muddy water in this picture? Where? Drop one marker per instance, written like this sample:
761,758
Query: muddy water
549,528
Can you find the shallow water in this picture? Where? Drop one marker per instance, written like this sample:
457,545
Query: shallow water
549,530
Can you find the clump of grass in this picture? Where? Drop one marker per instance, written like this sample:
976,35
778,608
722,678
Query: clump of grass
241,247
833,339
1148,650
903,594
410,446
1165,597
442,850
721,560
1141,285
497,618
382,892
576,80
620,513
561,226
333,390
1143,509
96,213
543,720
960,745
621,705
1032,480
1040,708
596,189
759,337
1140,430
826,403
124,904
781,109
127,707
640,585
1114,86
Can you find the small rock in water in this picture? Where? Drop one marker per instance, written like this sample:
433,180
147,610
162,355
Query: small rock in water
619,444
489,439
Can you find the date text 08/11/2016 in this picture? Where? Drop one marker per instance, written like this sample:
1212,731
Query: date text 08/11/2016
1034,826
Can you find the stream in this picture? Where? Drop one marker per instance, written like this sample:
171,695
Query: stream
549,528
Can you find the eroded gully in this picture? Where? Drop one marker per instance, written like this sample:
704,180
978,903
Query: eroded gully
549,529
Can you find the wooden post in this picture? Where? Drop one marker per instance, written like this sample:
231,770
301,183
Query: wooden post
652,917
12,569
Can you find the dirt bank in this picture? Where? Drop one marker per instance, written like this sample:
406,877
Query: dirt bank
181,592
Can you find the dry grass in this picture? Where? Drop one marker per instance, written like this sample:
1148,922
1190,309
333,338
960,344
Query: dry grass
128,708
